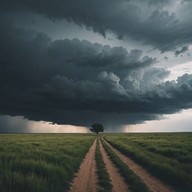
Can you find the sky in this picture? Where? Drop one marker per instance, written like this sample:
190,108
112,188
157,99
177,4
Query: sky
65,65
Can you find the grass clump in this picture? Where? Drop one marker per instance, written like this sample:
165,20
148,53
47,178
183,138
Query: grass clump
103,176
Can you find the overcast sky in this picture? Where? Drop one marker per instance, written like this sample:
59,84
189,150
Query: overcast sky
126,64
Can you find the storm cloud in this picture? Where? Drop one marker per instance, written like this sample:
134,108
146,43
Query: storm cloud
165,25
76,82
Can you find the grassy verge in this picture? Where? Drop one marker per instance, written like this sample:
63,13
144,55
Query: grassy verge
103,176
166,156
135,183
40,162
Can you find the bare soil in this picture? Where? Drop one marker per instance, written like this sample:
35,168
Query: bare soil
152,182
86,179
118,183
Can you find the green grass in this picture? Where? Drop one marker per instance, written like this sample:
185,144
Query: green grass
41,162
167,156
103,176
134,182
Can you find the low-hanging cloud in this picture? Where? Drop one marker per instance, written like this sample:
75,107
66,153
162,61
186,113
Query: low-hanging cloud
77,82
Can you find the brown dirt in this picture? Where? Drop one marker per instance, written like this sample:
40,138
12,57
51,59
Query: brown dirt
153,183
86,178
118,183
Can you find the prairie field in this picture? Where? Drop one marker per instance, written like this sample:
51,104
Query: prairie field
167,156
50,162
40,162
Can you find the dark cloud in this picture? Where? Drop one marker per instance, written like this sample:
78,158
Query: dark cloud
186,1
151,22
54,80
160,2
77,82
182,50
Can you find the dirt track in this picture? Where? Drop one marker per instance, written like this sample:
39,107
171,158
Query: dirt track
86,178
153,183
118,182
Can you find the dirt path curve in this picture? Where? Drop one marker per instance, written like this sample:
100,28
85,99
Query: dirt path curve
86,178
118,183
153,183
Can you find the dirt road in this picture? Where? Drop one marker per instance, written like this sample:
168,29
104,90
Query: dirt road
153,183
86,178
118,183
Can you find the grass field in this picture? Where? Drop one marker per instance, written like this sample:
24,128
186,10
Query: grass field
40,162
136,185
48,162
168,156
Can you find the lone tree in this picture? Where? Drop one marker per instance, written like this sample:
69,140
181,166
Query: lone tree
97,127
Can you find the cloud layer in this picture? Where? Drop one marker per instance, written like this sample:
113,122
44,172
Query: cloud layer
165,24
77,82
72,81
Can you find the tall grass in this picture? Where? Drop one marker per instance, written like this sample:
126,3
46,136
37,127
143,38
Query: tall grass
167,156
40,162
103,176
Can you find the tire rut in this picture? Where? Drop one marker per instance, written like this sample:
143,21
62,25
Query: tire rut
153,183
86,178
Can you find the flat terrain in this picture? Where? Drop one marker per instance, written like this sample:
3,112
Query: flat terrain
118,183
165,156
86,178
41,162
66,162
153,183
